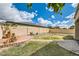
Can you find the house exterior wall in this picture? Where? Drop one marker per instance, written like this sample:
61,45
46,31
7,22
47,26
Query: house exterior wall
77,29
76,17
0,33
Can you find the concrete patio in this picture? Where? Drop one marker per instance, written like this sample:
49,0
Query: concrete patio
70,45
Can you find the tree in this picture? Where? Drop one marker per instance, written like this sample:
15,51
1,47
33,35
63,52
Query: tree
57,27
72,27
56,6
6,30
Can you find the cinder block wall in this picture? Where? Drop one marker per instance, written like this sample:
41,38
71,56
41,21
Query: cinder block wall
38,30
24,30
63,31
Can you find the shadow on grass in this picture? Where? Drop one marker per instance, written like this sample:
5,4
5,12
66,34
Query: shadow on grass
53,49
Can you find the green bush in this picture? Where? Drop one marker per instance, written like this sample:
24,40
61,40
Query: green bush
68,37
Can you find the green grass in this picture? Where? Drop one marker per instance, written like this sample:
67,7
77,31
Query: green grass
36,48
49,37
53,49
54,37
27,49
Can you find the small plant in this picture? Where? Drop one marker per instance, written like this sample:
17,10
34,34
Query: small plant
31,33
37,33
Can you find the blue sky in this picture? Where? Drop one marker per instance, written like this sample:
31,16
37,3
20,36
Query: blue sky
44,16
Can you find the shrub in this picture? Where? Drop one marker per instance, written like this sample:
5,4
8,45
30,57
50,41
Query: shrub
68,37
31,33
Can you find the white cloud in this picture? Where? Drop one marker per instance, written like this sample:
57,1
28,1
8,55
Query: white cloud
52,16
74,5
2,21
36,11
71,16
63,24
44,22
49,9
56,23
9,12
46,8
66,24
26,17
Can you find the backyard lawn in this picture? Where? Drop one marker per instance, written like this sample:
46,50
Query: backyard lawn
53,37
53,49
25,49
37,48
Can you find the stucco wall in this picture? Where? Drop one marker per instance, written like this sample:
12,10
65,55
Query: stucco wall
0,33
77,29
